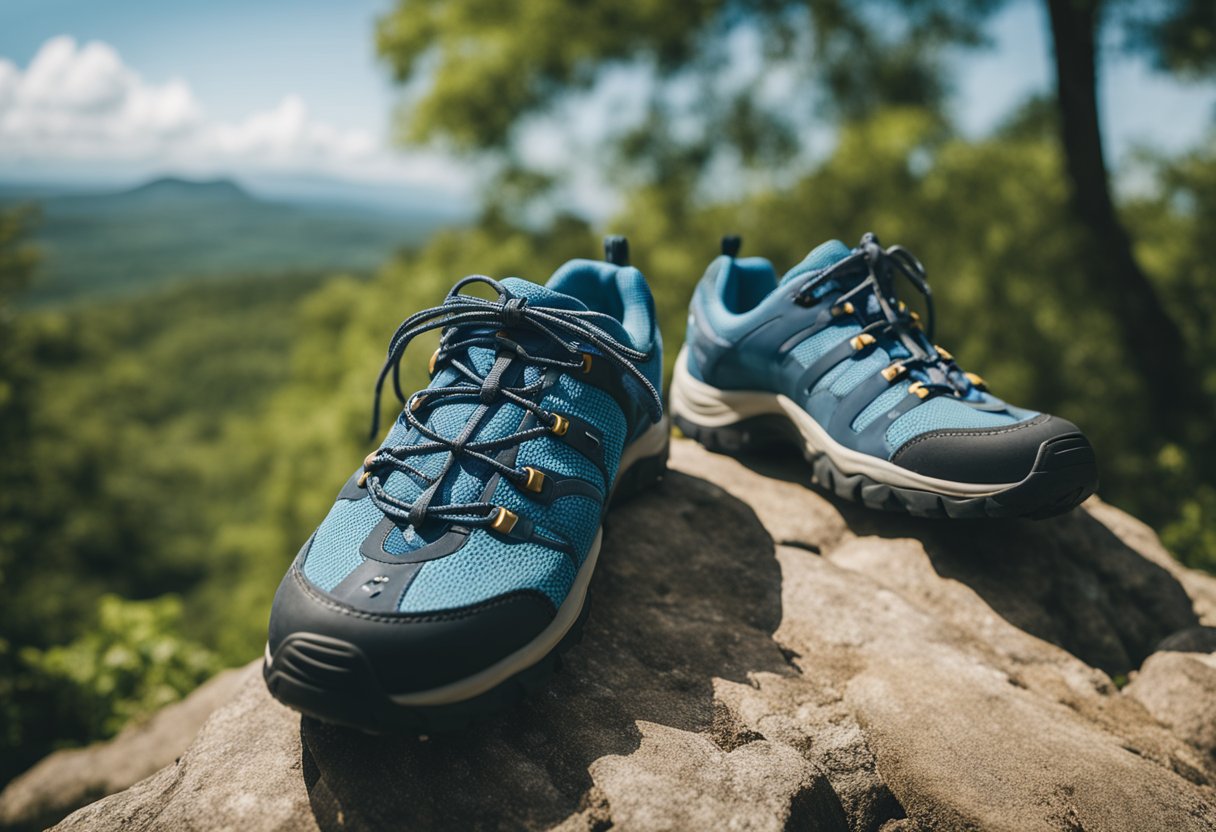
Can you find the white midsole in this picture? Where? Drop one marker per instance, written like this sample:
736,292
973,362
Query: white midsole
650,443
707,406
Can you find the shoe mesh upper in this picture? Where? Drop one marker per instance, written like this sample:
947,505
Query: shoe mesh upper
817,346
487,566
332,556
936,413
940,414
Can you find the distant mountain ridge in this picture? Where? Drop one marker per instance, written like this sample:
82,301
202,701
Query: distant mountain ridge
176,188
112,242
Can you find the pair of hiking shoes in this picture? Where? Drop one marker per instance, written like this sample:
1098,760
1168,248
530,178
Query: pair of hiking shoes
452,571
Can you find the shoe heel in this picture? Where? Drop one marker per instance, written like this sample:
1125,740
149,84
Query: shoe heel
755,434
642,474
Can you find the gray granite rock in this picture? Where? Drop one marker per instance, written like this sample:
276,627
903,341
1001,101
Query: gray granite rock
1177,685
760,656
66,780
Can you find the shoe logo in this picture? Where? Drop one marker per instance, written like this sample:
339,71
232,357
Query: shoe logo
374,586
595,440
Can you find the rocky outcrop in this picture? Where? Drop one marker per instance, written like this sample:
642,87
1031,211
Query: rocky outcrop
66,780
1177,684
762,656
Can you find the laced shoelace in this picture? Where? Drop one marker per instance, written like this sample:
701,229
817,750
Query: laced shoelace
468,322
895,320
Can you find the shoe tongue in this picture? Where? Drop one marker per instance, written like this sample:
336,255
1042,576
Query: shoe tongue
822,256
538,295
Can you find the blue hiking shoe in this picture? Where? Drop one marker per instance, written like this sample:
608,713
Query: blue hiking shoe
830,359
453,569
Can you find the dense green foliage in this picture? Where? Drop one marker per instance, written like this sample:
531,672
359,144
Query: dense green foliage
132,661
126,429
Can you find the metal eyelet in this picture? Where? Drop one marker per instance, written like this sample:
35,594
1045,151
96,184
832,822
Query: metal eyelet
895,371
504,521
535,481
860,342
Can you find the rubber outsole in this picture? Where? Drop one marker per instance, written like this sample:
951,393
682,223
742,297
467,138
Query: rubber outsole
1064,474
332,680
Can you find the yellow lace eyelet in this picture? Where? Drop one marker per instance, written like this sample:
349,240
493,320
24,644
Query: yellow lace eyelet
504,521
535,481
894,371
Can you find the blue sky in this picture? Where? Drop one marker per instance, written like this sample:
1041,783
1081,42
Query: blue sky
239,57
280,90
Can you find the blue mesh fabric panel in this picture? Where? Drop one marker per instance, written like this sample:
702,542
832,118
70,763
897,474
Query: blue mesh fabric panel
397,433
485,568
858,370
592,405
639,318
558,297
574,519
555,455
882,403
817,345
454,581
335,549
829,378
820,257
399,542
942,413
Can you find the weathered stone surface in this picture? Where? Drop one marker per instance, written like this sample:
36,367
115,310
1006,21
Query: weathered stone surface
1177,685
66,780
760,656
243,771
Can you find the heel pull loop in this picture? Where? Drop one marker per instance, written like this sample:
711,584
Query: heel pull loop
616,250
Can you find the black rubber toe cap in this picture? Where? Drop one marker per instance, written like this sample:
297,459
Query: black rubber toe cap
404,652
997,455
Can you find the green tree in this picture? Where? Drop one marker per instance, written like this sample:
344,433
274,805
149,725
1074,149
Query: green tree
17,260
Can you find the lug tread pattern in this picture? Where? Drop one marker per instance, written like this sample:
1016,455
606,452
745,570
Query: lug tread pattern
1063,476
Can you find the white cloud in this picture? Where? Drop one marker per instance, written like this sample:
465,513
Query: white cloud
78,104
